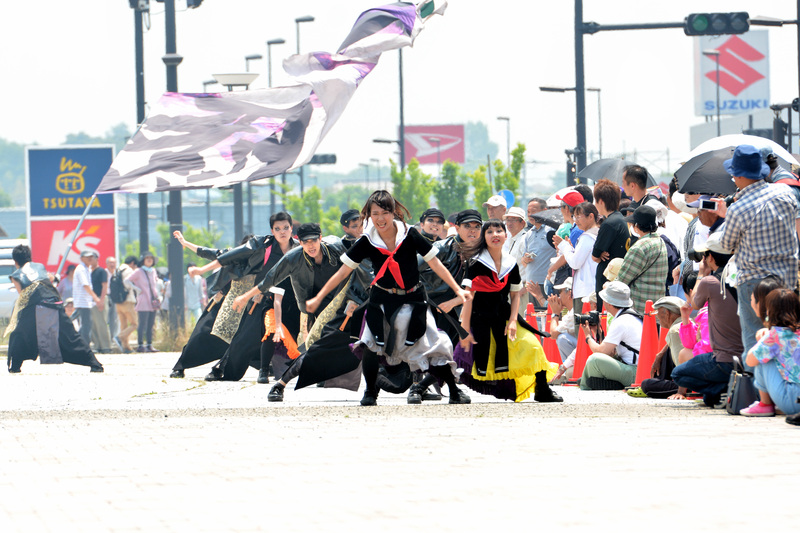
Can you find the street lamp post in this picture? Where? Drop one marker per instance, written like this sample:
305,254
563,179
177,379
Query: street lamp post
377,168
208,191
715,54
232,80
248,59
508,139
599,122
577,151
270,44
298,21
138,14
365,166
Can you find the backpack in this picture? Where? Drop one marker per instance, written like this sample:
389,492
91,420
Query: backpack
116,288
673,257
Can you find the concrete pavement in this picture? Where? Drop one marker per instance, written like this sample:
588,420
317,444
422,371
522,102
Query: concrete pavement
133,450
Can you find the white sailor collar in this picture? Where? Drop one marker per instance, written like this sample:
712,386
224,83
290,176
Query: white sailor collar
371,233
506,263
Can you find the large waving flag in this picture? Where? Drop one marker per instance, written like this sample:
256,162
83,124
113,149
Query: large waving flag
191,141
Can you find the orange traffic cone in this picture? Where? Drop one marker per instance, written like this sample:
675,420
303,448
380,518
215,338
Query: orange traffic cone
649,345
549,344
582,352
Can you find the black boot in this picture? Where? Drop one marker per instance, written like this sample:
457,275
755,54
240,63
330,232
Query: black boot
214,375
263,375
177,374
415,394
543,393
370,397
276,393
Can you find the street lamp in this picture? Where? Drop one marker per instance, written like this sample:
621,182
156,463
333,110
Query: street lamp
551,89
231,80
298,21
248,59
270,43
207,83
715,54
508,139
366,172
377,167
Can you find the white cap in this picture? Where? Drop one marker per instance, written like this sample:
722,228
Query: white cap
495,201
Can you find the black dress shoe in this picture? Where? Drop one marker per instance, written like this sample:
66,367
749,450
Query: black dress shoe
177,374
546,395
263,376
97,369
213,376
276,393
458,396
370,398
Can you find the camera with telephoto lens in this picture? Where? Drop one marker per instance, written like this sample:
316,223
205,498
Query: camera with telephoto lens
695,255
592,318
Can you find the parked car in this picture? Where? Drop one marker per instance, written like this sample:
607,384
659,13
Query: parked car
8,294
6,245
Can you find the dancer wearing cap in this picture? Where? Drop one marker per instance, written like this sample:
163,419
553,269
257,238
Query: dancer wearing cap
308,268
351,226
39,326
517,366
431,223
399,325
251,262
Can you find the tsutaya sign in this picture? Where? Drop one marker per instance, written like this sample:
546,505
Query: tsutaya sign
743,73
60,185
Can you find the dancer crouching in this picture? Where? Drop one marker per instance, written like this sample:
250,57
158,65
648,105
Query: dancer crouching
399,325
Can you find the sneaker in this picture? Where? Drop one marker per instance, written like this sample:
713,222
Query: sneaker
141,349
275,393
431,396
758,409
119,344
414,396
458,396
149,348
177,374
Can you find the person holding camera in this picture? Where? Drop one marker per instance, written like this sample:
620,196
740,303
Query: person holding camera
612,365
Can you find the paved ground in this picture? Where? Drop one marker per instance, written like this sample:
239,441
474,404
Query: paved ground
132,450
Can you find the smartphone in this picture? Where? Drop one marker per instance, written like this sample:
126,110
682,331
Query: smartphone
708,205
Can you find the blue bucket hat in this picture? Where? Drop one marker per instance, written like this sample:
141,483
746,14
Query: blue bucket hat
747,163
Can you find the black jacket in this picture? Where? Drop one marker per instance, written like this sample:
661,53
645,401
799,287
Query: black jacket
449,253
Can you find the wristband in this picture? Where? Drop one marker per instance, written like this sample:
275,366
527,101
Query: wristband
587,339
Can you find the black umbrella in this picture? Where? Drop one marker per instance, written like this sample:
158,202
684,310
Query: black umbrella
610,169
550,217
705,174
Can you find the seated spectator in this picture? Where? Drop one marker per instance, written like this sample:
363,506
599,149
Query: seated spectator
562,327
694,333
776,357
645,266
612,365
708,373
660,384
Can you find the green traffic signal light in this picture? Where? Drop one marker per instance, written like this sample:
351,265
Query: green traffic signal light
716,23
698,23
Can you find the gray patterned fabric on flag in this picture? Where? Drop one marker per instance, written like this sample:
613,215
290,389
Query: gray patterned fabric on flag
192,141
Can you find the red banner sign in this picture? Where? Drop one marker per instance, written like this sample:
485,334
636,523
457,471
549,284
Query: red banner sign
50,239
435,144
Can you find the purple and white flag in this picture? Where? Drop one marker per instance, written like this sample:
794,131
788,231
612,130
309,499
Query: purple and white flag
193,141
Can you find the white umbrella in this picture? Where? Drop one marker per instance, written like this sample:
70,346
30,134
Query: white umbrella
725,141
552,201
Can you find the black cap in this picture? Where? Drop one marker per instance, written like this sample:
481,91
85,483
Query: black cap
468,215
309,230
347,216
644,216
432,213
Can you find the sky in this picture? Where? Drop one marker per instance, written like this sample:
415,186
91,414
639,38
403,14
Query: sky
69,67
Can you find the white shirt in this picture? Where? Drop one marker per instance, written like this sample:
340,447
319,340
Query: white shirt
580,260
515,247
627,329
80,296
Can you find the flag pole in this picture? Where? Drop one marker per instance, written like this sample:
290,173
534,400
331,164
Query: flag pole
75,234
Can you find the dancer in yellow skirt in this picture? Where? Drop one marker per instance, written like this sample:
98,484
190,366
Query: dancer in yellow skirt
501,356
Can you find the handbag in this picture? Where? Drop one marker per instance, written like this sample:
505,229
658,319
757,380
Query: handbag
155,303
742,391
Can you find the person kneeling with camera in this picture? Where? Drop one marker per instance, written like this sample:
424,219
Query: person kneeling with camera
612,365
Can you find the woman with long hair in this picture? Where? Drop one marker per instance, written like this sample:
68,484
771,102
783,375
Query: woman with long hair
148,301
399,325
514,364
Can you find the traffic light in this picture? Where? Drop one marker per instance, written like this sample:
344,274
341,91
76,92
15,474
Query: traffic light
716,23
323,159
193,3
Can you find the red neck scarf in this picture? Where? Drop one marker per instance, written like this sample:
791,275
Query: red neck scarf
392,265
489,284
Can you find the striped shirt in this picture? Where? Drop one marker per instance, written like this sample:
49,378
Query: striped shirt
81,298
760,229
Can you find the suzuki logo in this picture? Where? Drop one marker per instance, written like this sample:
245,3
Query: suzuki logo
425,146
735,74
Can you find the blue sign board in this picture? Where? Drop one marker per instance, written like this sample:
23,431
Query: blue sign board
61,180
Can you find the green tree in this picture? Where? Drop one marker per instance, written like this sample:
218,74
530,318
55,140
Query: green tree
198,236
5,199
348,197
452,189
477,145
412,187
308,208
12,171
117,135
508,177
482,189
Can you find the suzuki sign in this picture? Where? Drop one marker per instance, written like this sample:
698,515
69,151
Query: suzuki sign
435,144
743,73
